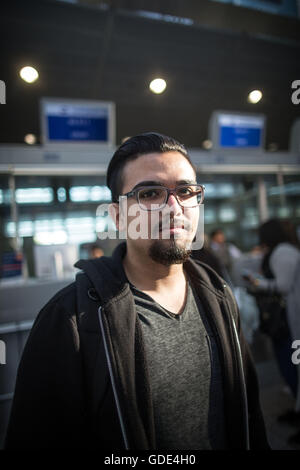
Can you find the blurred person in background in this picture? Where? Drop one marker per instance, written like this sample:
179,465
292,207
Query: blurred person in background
207,256
96,251
277,294
226,252
247,306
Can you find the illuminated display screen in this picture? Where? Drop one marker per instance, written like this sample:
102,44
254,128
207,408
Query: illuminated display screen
240,131
77,121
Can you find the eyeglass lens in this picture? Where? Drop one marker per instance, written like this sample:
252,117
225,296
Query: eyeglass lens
188,196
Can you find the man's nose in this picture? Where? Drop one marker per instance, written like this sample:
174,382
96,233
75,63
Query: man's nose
173,204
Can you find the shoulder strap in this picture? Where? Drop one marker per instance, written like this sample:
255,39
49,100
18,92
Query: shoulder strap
88,300
96,375
85,291
101,276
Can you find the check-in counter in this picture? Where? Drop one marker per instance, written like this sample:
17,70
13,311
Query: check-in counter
20,302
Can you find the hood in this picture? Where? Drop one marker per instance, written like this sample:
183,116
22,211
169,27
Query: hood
108,276
106,273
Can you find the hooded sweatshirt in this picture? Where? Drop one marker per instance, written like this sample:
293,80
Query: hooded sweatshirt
83,379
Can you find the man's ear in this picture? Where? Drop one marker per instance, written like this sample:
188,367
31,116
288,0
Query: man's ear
118,213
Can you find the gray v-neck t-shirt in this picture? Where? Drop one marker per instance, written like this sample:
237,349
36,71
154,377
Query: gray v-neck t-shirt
185,374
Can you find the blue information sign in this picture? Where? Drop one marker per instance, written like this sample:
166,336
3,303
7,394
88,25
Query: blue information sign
77,128
240,131
67,121
240,137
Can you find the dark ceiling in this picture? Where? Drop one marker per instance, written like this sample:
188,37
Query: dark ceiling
110,52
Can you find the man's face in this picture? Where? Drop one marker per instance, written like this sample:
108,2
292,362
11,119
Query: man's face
166,234
219,237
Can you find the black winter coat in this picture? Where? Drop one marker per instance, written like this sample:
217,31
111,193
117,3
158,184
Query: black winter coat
83,379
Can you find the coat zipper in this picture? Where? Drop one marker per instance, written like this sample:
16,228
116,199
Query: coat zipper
244,393
210,349
113,382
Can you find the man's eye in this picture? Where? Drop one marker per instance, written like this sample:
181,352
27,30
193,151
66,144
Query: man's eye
148,194
185,191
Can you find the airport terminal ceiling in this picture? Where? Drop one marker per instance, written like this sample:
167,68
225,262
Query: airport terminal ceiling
210,53
62,209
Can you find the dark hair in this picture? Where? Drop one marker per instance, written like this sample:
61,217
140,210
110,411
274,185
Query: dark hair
95,246
291,231
276,231
133,148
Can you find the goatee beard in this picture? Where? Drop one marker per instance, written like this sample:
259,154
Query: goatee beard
172,254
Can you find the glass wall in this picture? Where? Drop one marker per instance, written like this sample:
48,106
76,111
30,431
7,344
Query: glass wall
232,203
58,210
57,214
56,218
284,198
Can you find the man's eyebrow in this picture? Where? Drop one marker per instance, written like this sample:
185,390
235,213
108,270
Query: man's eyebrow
148,183
186,182
159,183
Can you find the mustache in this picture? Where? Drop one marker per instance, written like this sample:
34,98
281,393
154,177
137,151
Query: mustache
167,223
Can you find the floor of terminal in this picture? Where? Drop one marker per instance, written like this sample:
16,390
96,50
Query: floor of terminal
276,400
275,396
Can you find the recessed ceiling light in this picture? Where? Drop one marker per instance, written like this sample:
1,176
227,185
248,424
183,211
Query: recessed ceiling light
207,144
158,85
254,96
30,139
29,74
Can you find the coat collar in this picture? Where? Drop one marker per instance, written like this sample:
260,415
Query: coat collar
108,276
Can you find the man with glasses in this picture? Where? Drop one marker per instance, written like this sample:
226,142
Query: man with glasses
145,350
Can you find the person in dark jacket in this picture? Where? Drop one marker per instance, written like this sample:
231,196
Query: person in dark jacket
145,350
207,256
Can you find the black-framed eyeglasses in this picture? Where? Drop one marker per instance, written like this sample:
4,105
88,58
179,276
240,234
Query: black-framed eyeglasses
153,197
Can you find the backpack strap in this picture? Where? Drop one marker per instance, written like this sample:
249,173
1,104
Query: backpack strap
96,377
101,277
86,293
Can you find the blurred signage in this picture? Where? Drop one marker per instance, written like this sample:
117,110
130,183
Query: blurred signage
240,131
77,121
11,264
237,131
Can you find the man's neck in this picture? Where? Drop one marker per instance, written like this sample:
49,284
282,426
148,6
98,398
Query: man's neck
148,275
